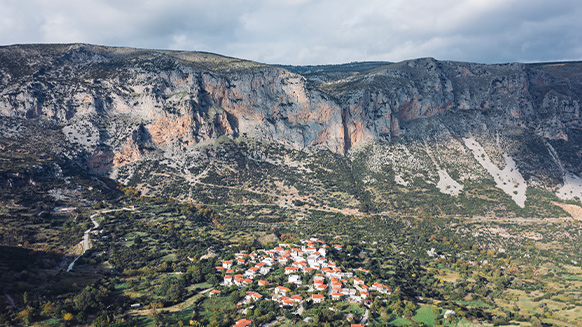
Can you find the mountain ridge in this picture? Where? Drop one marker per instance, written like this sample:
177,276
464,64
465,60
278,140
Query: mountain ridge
122,108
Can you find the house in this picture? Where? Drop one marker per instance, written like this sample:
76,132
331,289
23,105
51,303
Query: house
263,283
264,270
365,271
380,288
283,260
281,290
243,323
364,295
311,250
358,282
253,296
227,280
290,270
357,325
312,261
318,278
252,271
296,298
299,264
328,271
338,247
318,298
294,279
214,293
256,296
287,302
279,250
227,264
336,296
321,287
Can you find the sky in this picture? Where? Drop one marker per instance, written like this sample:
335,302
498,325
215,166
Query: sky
302,32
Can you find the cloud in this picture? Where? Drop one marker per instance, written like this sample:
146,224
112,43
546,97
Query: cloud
310,31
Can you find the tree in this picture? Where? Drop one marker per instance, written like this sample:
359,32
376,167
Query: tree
158,319
48,308
67,317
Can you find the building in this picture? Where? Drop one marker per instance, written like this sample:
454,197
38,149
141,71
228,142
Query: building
294,279
243,323
291,270
227,264
281,290
263,283
318,298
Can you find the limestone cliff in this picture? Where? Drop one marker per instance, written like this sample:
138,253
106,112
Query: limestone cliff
106,96
542,97
117,105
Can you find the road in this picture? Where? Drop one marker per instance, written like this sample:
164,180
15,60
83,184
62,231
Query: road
269,324
365,317
88,231
10,300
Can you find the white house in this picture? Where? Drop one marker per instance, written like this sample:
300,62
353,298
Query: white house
294,279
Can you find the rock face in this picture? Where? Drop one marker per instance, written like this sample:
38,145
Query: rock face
116,107
541,97
185,98
123,101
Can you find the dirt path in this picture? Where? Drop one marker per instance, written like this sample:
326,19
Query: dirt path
85,241
10,300
188,302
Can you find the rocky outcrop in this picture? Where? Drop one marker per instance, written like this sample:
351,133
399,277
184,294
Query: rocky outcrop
119,104
172,99
540,97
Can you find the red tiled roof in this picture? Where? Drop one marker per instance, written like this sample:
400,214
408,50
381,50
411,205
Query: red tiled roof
243,323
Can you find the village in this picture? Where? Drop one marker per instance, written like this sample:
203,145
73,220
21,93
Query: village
286,271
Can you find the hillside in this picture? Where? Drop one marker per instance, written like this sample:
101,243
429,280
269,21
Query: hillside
457,186
400,137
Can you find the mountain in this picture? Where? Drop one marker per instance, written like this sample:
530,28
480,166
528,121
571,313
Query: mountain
419,137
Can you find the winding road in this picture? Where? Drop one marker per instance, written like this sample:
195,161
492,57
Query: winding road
86,245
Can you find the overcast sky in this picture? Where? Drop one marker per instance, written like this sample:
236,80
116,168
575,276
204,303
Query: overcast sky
310,31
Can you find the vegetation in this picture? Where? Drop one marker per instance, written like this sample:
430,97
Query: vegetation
153,259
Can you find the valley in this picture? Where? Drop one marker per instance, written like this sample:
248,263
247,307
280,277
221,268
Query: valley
127,176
